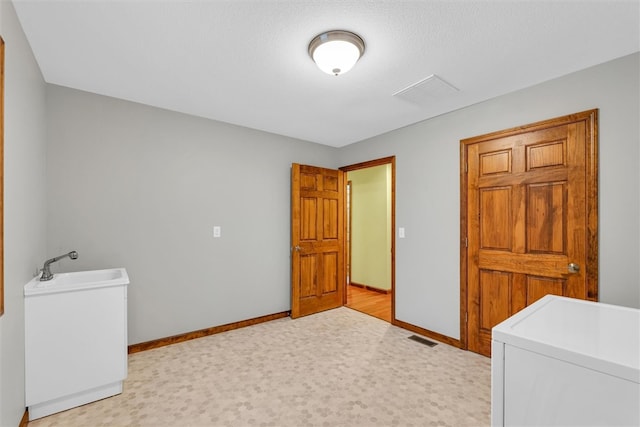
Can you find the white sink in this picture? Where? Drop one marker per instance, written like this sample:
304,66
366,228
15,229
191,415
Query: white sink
75,328
78,280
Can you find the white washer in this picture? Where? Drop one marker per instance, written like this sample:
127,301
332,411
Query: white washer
566,362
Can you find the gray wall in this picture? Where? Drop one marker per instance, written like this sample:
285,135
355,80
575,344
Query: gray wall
24,203
140,187
428,193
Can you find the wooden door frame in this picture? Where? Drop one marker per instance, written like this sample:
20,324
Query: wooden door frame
591,182
364,165
348,232
1,176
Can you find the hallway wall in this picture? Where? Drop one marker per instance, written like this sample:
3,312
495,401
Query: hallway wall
371,226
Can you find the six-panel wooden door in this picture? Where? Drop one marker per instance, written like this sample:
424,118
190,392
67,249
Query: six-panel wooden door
317,239
530,219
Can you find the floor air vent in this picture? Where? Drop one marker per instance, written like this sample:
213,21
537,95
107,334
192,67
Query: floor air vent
423,341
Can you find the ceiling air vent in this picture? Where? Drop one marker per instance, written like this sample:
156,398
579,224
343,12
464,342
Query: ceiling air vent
426,90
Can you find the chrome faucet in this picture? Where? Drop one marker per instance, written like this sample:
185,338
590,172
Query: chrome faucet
46,271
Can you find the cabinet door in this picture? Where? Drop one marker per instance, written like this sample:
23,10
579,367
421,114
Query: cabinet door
74,342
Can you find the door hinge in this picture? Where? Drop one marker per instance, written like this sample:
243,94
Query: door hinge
466,317
466,167
466,242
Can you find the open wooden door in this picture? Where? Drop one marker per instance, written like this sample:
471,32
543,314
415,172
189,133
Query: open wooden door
530,219
317,239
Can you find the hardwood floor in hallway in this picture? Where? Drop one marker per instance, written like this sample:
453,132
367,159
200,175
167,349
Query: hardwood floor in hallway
369,302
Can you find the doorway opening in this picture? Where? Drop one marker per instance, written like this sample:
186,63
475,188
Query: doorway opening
370,238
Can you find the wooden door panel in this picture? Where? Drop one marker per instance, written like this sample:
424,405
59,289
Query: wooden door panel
537,287
495,297
308,277
331,183
495,162
495,211
317,233
546,217
308,180
528,196
308,218
330,272
546,154
330,219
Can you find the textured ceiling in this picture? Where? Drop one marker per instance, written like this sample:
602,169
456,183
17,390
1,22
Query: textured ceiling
246,62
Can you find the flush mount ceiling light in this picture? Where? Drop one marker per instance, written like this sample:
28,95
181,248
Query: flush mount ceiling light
336,52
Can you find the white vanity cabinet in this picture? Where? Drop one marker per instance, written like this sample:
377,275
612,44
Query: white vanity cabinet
75,339
566,362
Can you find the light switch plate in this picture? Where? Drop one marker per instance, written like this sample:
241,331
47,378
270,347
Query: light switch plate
216,231
401,232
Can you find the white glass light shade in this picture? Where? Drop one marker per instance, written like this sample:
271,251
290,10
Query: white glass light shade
336,57
336,52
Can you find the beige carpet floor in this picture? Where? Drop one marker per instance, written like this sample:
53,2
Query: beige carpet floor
337,368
